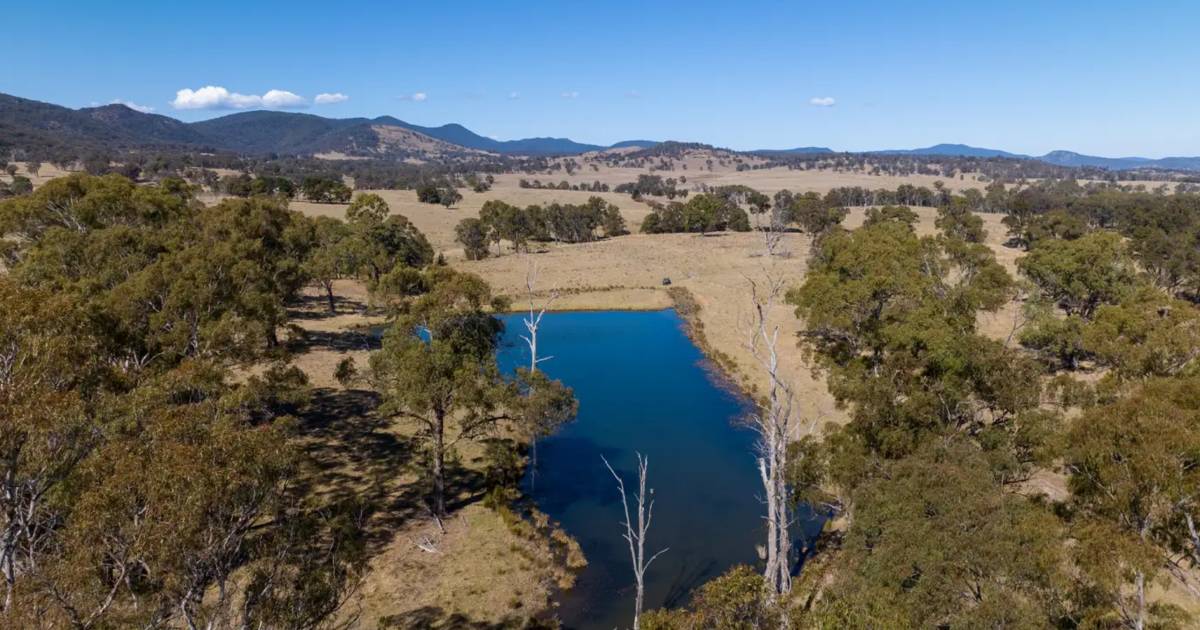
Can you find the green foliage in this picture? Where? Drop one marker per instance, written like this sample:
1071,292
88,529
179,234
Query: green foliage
346,372
437,368
702,213
1133,482
165,277
541,404
332,255
1056,338
144,476
737,600
367,208
244,185
935,542
654,185
956,221
380,242
443,193
891,318
898,214
325,190
568,223
809,211
1082,274
1148,334
473,235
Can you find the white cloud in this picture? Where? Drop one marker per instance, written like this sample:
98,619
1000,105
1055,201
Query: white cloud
415,96
145,109
328,98
283,99
633,94
512,96
822,101
571,94
213,97
217,97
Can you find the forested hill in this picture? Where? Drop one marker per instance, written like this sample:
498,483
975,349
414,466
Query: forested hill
44,128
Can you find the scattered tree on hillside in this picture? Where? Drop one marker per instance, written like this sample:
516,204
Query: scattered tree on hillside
473,236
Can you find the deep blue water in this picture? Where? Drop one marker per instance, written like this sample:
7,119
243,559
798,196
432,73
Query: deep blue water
642,386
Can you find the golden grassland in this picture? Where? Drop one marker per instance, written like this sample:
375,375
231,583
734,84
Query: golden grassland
489,568
628,272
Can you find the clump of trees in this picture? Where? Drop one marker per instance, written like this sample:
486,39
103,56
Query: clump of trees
443,193
371,245
815,215
653,185
565,223
245,185
140,475
324,189
702,213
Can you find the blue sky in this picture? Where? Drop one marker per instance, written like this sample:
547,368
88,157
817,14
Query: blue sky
1108,78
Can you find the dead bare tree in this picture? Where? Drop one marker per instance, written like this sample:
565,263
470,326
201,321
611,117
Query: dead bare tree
532,322
636,537
534,319
773,419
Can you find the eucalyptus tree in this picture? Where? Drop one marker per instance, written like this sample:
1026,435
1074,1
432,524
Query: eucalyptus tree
1134,488
891,319
380,241
437,368
472,234
331,257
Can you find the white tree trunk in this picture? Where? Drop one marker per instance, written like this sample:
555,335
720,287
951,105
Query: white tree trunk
636,538
773,420
532,322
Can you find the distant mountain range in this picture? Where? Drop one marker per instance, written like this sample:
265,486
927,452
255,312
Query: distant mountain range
30,124
25,123
1060,158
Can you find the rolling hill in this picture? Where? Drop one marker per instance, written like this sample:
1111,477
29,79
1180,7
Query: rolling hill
45,127
956,150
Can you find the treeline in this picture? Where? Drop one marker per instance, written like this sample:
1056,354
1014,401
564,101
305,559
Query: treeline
202,168
566,223
951,167
313,188
596,186
929,481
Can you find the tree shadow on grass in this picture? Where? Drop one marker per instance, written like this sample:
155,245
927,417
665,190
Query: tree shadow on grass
338,340
434,618
355,457
315,307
